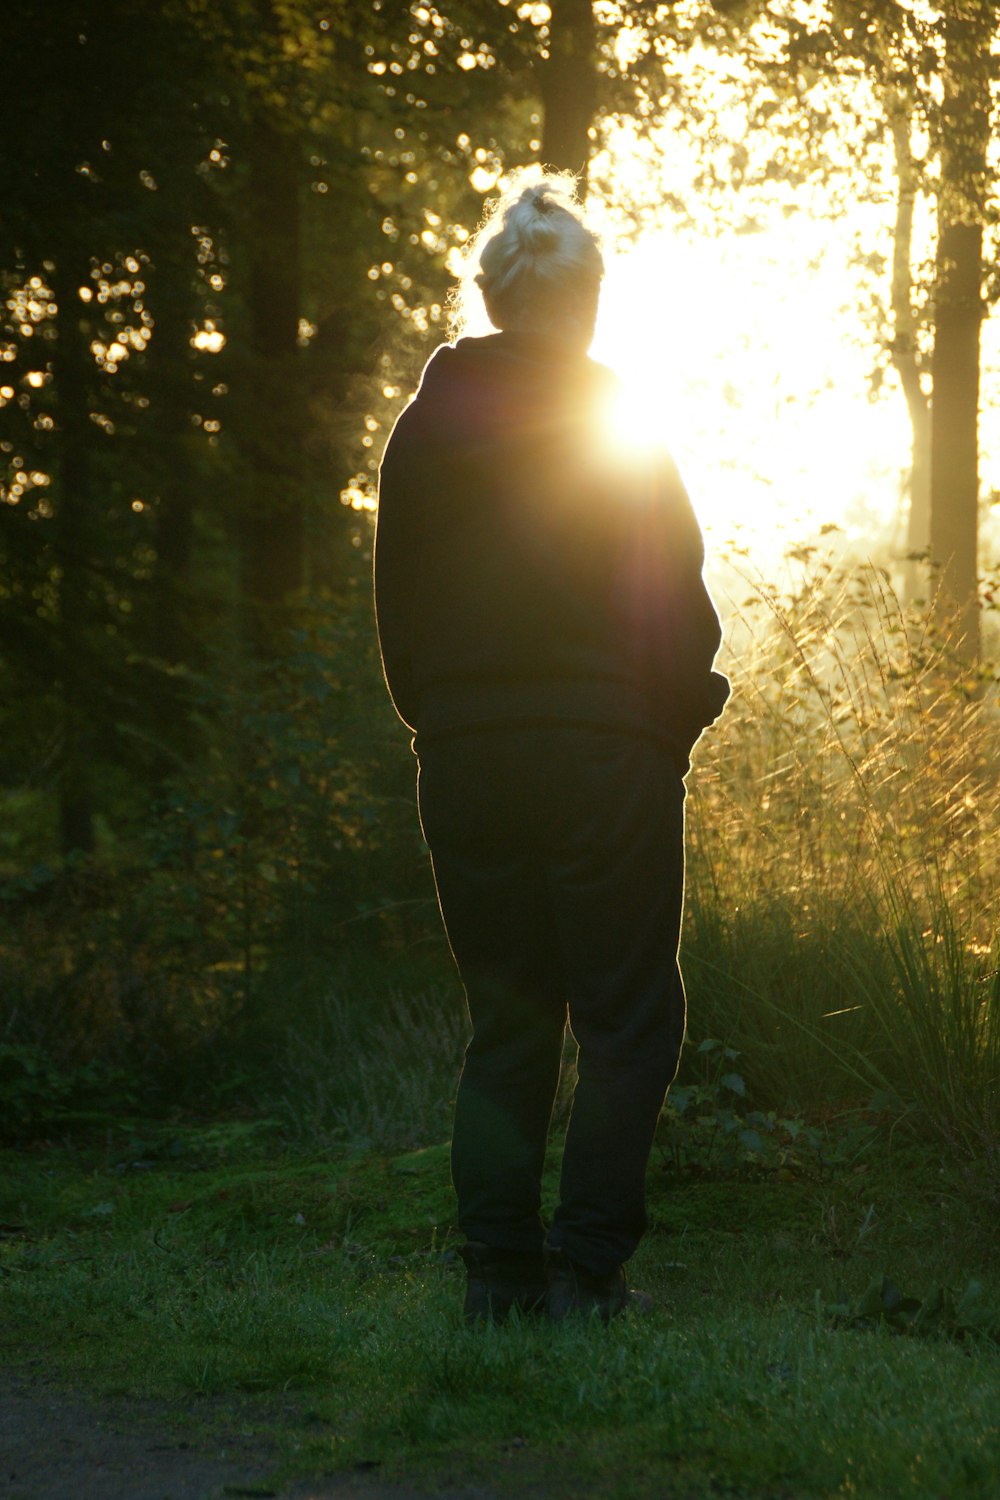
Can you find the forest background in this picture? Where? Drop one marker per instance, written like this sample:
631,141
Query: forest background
226,249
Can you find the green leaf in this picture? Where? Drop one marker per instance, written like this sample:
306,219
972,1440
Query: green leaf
892,1297
936,1314
839,1309
734,1083
972,1315
871,1302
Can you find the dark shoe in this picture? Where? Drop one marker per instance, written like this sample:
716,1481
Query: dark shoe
498,1281
574,1289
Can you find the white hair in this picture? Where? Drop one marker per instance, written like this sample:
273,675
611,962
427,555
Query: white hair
534,260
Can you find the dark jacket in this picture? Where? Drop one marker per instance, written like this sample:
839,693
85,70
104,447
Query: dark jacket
529,568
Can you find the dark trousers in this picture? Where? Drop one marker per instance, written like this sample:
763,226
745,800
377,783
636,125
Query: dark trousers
558,854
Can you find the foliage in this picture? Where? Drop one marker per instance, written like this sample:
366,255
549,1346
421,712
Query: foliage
883,1305
37,1098
708,1126
223,908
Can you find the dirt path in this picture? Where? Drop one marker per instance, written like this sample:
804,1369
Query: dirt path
59,1445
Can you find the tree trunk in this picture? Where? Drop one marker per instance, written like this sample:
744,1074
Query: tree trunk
958,312
905,353
569,88
76,810
272,512
173,535
171,626
954,431
173,307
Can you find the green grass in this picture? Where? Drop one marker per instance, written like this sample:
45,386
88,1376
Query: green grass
209,1261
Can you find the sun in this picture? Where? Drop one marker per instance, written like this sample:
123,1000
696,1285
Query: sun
667,328
742,354
636,414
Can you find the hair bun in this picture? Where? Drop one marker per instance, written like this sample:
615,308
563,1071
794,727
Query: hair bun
536,197
536,255
532,226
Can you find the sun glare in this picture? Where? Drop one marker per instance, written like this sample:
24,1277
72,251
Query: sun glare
754,352
635,416
745,356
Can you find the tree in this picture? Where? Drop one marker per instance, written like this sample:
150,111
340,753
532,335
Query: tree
932,66
568,80
904,344
102,283
966,70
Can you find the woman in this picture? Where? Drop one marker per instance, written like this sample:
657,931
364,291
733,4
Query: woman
546,634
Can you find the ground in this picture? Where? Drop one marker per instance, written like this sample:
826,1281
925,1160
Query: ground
209,1316
59,1445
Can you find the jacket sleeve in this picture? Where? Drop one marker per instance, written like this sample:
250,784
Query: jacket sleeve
673,625
398,532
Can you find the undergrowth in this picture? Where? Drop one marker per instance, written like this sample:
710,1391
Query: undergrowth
841,932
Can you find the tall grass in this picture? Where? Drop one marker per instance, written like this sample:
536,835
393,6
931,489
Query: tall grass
844,834
379,1070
